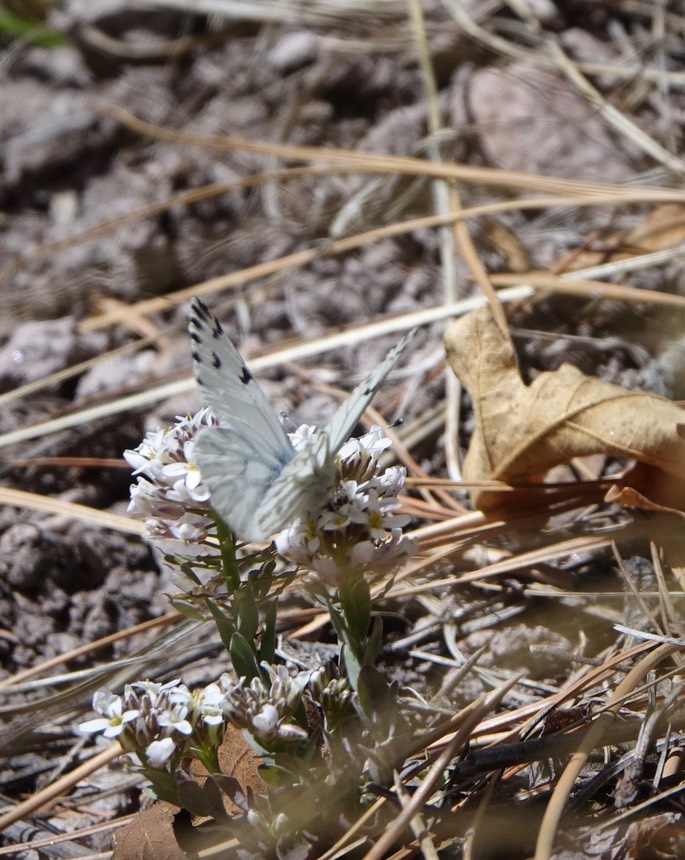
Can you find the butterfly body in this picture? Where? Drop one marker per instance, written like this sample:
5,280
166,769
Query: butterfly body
258,482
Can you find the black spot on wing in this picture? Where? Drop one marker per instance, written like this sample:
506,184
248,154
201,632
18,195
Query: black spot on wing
216,361
204,318
245,375
200,308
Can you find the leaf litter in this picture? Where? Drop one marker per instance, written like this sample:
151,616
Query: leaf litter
544,615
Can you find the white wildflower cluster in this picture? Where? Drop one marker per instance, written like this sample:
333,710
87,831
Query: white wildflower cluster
157,724
169,494
266,711
358,527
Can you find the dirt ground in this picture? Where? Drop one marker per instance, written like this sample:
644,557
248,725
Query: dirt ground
311,74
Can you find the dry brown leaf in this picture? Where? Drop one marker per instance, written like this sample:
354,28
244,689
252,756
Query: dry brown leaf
238,759
522,430
150,836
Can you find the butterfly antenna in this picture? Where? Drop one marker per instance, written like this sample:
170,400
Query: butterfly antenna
396,423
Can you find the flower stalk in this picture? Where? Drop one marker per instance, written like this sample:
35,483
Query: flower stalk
327,713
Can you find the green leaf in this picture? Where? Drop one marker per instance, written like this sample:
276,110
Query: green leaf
350,665
337,621
187,608
267,647
202,799
247,612
376,700
224,624
30,31
355,600
185,567
375,642
244,658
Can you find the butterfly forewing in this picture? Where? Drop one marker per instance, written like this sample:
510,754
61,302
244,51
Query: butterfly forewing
347,415
227,385
238,462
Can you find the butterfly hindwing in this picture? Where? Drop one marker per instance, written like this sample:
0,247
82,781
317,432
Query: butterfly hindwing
301,487
347,415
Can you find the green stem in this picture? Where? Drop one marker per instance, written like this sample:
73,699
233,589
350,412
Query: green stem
229,562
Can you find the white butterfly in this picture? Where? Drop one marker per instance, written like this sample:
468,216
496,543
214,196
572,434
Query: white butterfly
258,482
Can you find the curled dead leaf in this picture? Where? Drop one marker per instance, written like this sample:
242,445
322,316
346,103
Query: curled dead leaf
522,431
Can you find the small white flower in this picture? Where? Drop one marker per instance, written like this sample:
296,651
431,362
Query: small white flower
301,437
153,689
371,445
158,724
209,703
190,527
159,752
175,719
392,480
114,718
265,722
180,695
332,520
109,728
362,552
138,461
